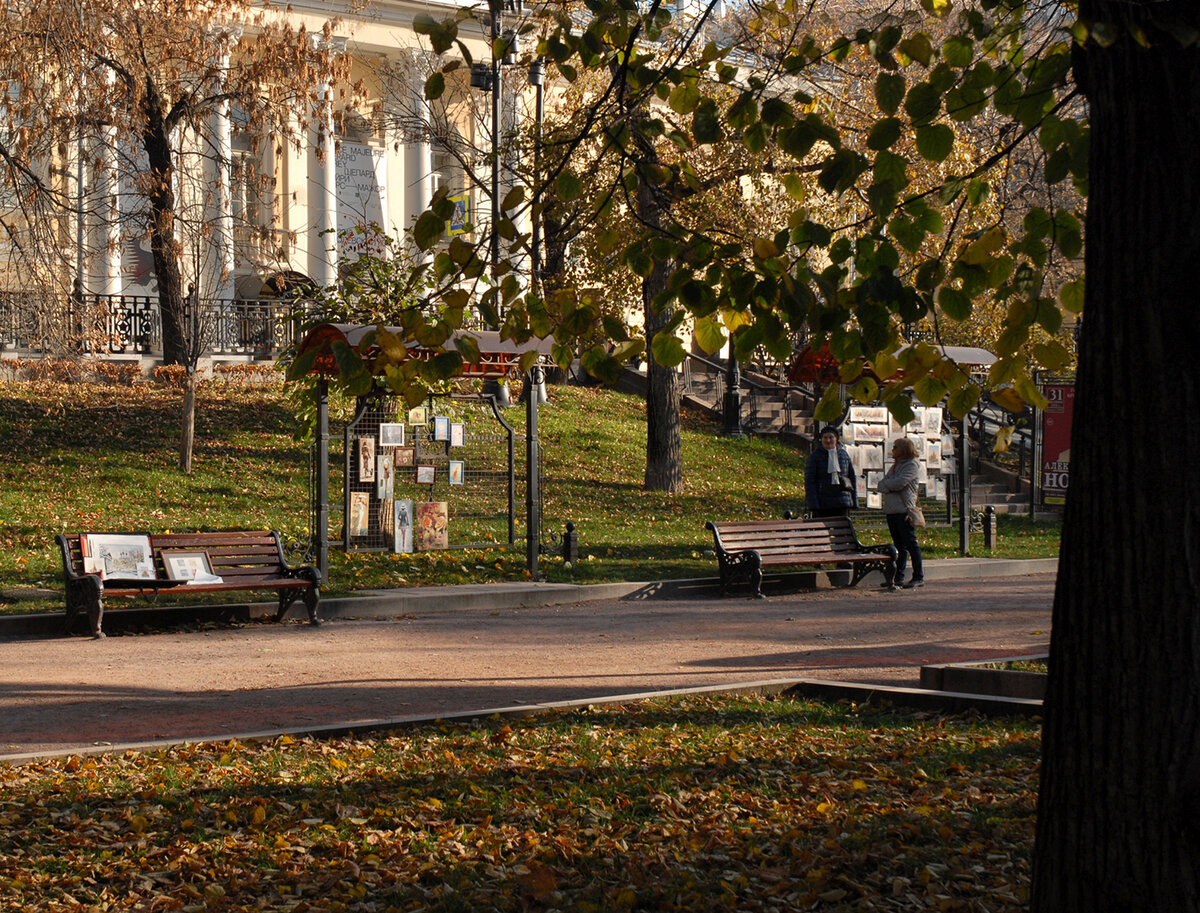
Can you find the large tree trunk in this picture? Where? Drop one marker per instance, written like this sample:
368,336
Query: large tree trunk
664,448
1119,806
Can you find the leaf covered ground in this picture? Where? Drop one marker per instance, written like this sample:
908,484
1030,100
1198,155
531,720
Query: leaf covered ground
707,803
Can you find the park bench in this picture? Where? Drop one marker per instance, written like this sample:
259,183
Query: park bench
745,547
243,560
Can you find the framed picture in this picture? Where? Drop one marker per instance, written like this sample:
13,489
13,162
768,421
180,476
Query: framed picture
870,434
426,475
366,459
418,415
385,469
405,457
441,428
933,455
933,422
387,516
360,513
126,557
432,523
185,565
402,541
391,434
871,414
458,434
458,472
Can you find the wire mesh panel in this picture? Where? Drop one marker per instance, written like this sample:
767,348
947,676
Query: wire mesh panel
434,477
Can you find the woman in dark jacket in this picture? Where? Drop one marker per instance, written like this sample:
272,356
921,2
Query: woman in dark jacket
829,481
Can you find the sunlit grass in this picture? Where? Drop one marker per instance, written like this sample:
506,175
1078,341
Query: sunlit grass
78,457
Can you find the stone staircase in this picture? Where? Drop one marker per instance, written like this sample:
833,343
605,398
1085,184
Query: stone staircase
771,408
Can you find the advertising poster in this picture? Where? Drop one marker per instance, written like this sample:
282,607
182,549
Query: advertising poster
1056,441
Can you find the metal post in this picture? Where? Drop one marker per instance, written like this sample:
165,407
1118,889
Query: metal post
532,494
321,533
964,488
512,462
732,407
494,6
537,78
1035,460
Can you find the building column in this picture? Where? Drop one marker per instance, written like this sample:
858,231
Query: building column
323,200
418,157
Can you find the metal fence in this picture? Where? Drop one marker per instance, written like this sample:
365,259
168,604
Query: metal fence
99,325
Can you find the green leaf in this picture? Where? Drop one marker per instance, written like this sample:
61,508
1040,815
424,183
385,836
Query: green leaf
706,123
864,390
954,304
963,400
1052,355
830,408
889,91
1071,295
958,51
710,334
435,85
569,186
428,230
684,98
918,47
935,142
929,390
667,350
884,134
922,103
900,408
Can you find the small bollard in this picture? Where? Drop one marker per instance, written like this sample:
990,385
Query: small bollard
989,528
570,544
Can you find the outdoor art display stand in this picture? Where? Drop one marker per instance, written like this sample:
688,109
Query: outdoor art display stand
868,435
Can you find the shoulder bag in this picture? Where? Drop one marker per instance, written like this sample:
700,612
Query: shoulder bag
916,516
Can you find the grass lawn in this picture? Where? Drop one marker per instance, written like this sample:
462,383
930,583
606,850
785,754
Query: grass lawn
706,803
103,457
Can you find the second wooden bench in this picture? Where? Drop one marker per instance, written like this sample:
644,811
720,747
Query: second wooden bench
745,547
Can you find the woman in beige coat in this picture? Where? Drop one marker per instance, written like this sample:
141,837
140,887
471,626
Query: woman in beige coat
899,488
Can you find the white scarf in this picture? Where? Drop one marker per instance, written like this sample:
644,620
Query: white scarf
835,466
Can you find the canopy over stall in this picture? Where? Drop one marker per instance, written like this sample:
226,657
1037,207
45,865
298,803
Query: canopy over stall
497,356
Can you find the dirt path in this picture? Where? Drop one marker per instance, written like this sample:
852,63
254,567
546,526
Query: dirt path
74,693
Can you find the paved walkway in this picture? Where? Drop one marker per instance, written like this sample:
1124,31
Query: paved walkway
398,658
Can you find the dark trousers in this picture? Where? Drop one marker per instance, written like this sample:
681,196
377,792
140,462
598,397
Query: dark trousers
905,539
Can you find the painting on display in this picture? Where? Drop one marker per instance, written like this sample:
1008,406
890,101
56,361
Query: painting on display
870,434
391,434
872,414
441,428
426,475
418,415
458,434
385,470
366,459
871,457
457,472
405,457
433,520
360,513
933,422
387,516
402,527
119,556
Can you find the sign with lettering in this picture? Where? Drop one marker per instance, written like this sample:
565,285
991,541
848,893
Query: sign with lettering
361,195
1056,441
